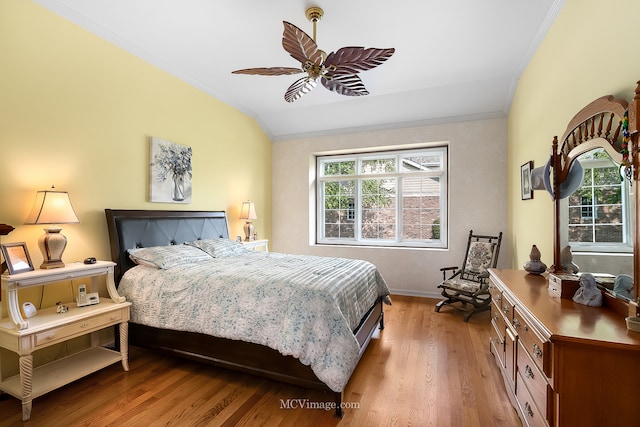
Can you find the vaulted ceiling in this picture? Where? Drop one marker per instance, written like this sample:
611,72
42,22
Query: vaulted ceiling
454,60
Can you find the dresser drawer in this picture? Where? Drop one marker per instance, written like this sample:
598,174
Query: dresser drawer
532,416
496,293
78,328
497,335
497,320
531,377
506,307
538,348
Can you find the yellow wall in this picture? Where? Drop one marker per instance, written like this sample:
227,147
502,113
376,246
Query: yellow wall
76,112
590,51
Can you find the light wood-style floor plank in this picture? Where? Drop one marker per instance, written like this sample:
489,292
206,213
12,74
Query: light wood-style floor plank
425,369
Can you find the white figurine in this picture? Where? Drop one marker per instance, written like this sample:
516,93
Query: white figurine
588,293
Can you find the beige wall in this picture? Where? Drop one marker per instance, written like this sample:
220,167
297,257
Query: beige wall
590,51
77,112
477,197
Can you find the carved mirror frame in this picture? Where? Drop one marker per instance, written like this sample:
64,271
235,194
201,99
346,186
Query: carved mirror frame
607,123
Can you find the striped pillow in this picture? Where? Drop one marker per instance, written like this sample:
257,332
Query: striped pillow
167,256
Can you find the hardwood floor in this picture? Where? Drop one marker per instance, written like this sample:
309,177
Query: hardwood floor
426,369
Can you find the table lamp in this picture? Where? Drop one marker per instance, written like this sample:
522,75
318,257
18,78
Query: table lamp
52,207
248,212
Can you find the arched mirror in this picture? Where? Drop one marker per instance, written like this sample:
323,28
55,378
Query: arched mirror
595,176
596,221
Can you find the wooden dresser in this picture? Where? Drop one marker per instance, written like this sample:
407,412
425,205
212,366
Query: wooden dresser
564,364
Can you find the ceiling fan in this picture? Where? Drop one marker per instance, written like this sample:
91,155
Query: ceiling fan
337,71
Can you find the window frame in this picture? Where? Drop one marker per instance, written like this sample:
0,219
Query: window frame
627,201
442,174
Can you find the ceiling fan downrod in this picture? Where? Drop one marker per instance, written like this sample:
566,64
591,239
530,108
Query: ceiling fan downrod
314,14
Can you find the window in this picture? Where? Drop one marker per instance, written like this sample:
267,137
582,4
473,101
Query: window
598,212
393,198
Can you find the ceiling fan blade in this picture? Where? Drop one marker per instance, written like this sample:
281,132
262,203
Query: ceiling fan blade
351,60
270,71
299,45
299,88
345,84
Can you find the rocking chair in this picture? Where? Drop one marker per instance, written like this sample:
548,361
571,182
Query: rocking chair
470,284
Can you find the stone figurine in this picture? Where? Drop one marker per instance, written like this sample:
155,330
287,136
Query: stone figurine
566,261
534,265
623,286
588,293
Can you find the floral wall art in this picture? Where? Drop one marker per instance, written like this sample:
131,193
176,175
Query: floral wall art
170,169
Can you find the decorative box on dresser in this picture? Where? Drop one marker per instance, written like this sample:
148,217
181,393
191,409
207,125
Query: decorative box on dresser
24,336
563,363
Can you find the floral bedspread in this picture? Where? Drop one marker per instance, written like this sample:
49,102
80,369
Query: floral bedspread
303,306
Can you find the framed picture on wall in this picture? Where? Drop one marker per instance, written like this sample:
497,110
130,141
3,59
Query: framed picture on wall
17,257
526,189
170,172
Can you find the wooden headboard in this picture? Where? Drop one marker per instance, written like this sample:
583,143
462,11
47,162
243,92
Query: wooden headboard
130,229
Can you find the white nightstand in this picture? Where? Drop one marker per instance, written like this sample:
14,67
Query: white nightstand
254,245
48,327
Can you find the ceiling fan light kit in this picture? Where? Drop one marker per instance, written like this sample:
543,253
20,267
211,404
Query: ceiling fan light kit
337,71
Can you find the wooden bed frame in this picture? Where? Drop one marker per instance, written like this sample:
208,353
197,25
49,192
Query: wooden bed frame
144,228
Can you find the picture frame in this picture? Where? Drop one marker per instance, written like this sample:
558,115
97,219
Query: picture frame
17,258
170,172
526,189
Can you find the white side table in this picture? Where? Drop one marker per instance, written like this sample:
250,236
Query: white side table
48,327
254,245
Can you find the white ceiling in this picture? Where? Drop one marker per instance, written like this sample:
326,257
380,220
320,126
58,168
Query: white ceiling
454,59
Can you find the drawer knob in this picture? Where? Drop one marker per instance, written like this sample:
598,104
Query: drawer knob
84,325
537,351
528,372
505,308
498,298
516,323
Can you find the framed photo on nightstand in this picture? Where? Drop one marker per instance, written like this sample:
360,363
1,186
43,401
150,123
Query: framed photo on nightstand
16,255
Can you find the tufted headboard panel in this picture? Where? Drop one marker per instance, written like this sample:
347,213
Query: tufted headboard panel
130,229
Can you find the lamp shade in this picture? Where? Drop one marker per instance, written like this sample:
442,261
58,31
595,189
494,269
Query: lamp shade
52,207
248,211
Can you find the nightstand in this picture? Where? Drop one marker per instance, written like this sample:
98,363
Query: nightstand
254,245
48,327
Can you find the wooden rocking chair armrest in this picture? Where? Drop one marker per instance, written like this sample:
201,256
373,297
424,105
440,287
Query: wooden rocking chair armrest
445,269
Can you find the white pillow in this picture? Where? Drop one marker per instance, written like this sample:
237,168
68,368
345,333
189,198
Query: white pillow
167,256
219,248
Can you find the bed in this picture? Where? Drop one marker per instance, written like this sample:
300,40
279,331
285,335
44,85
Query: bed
291,344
